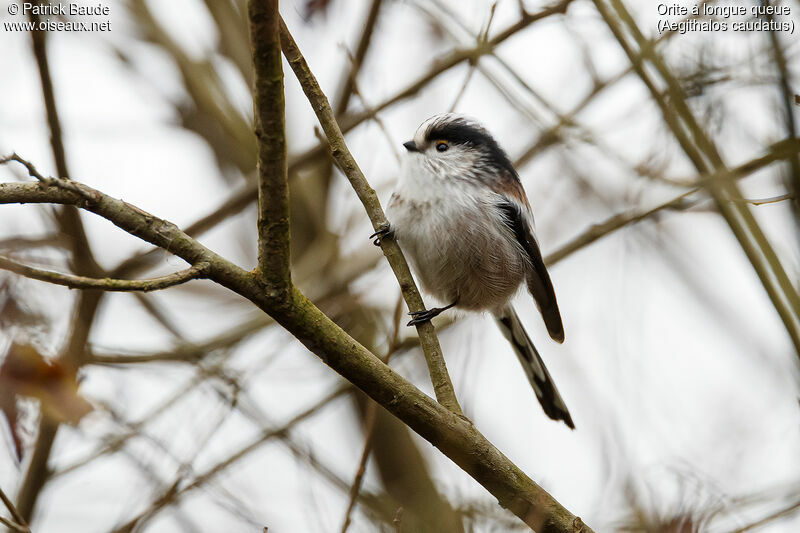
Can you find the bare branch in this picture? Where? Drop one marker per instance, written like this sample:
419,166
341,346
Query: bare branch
454,58
614,223
175,493
370,416
21,524
778,151
14,526
769,518
700,149
784,84
191,353
236,203
772,199
34,173
355,488
196,271
135,221
442,384
83,262
357,59
273,186
457,438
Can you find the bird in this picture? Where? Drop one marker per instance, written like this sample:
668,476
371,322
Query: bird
461,215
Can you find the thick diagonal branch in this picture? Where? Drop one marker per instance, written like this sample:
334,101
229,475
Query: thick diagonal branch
455,437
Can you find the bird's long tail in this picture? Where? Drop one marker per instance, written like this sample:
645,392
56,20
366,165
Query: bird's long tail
542,383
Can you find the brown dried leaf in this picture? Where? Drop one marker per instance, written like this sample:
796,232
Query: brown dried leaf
25,372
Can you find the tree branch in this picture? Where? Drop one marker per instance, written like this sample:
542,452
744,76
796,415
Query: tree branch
34,173
14,526
270,127
267,434
107,284
771,199
777,152
457,438
83,262
131,219
240,200
442,384
355,487
20,523
188,352
702,152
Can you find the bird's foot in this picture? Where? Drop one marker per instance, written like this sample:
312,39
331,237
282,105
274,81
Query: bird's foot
385,231
420,317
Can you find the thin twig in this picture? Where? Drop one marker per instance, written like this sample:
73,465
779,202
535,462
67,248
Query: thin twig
442,384
370,416
59,182
159,314
785,86
348,86
484,35
14,526
170,497
114,443
779,151
244,197
188,352
15,514
611,225
700,149
357,60
771,200
769,518
29,243
377,119
463,88
83,262
196,271
456,57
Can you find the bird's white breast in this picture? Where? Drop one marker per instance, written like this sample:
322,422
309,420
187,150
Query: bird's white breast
455,237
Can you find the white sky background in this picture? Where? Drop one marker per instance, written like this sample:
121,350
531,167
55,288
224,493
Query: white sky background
677,370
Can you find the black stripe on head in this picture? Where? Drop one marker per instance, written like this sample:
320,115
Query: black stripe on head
463,132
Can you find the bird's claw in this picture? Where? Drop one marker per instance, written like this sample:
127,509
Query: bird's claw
420,317
380,234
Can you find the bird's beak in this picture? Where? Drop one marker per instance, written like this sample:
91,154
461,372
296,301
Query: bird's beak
411,146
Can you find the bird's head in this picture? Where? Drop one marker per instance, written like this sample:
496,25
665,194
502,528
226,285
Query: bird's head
451,145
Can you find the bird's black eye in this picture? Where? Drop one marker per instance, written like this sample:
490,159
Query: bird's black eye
442,146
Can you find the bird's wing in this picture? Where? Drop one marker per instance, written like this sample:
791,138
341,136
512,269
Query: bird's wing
541,288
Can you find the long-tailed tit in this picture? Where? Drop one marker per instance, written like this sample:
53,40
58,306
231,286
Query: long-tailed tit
461,215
